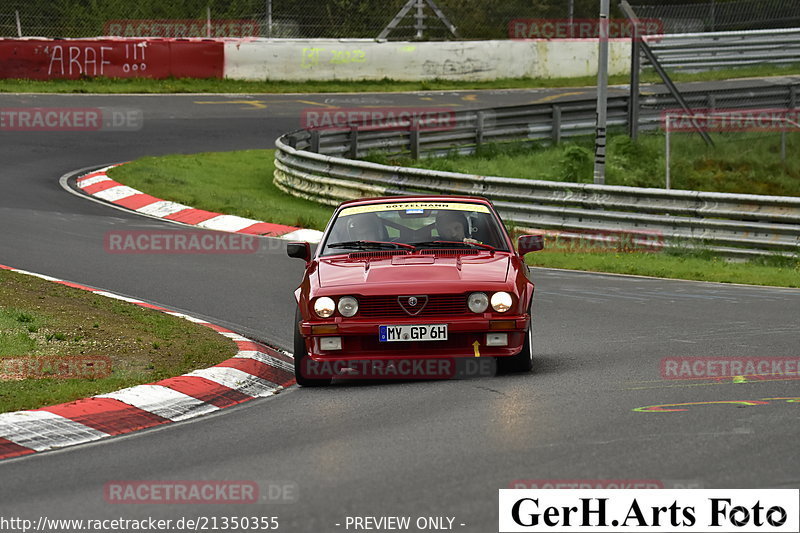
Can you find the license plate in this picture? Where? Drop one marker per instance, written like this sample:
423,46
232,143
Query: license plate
427,332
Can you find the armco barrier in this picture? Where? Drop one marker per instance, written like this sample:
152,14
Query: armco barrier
47,59
312,165
726,49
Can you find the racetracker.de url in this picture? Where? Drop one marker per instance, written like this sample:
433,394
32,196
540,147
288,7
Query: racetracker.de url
118,525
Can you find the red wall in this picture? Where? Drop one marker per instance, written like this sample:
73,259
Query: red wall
113,58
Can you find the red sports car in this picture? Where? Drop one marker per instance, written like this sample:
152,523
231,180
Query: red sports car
414,280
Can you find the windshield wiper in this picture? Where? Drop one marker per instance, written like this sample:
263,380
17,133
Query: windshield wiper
453,244
371,245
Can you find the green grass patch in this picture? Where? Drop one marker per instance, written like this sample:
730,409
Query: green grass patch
46,322
702,266
234,183
187,85
241,183
748,163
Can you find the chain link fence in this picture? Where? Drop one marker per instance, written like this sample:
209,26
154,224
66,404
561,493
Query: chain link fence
472,19
720,15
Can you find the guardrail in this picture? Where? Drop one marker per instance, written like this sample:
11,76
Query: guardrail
321,165
703,51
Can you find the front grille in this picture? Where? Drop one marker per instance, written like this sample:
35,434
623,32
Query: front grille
389,307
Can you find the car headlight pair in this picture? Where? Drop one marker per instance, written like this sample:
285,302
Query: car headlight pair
478,302
325,306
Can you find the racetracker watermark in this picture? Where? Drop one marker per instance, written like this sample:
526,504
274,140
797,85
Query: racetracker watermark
70,119
370,369
718,120
201,492
180,242
600,241
580,28
175,28
382,118
67,367
728,367
564,484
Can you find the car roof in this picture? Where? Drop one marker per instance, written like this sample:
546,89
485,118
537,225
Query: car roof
417,198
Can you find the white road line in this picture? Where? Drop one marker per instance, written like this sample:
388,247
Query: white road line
234,336
308,235
162,209
266,359
112,194
118,297
237,379
42,430
227,223
83,183
162,401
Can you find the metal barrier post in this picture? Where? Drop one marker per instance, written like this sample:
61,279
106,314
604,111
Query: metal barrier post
633,101
413,139
667,155
479,129
354,142
556,127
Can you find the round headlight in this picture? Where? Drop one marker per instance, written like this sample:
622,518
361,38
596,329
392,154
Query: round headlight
324,307
348,306
478,302
501,302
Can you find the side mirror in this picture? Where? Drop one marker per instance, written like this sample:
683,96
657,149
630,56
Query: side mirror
300,250
530,243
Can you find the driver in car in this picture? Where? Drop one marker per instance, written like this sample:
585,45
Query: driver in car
364,227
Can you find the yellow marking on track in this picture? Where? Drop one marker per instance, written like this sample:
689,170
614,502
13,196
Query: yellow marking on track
256,104
309,102
718,381
470,98
405,107
556,97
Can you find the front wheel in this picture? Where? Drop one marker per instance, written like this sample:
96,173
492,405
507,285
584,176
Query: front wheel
301,358
523,361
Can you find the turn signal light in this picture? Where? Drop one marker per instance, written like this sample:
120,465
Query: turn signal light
324,329
502,324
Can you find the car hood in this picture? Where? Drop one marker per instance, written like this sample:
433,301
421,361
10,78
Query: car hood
413,269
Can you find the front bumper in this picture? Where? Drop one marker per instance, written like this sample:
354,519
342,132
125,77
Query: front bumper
359,338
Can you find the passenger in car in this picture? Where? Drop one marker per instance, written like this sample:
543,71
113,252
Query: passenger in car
451,225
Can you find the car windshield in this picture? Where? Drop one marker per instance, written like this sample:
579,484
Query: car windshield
419,224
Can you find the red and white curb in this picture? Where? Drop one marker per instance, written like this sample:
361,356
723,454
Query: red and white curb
255,371
98,185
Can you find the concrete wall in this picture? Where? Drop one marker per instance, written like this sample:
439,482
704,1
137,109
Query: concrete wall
300,60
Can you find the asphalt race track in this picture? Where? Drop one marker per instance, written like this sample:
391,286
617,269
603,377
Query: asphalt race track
384,449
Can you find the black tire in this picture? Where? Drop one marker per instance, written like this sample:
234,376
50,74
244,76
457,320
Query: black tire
523,361
300,356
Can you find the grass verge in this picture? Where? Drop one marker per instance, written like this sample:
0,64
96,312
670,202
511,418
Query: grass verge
777,272
747,163
228,86
45,321
241,183
234,183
